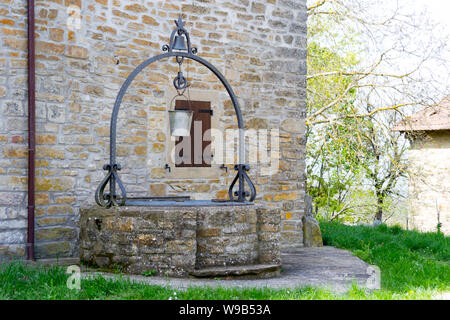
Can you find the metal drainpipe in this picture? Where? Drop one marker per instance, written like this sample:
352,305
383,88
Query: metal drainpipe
31,130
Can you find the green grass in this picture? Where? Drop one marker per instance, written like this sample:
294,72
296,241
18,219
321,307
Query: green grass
413,266
20,281
408,260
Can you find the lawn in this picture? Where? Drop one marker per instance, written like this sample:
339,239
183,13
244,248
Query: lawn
409,261
413,266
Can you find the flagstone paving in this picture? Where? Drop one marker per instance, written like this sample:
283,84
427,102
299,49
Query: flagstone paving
325,267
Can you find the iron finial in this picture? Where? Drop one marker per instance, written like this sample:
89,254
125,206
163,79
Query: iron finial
180,23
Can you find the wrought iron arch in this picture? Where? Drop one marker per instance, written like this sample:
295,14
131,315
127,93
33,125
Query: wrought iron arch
112,199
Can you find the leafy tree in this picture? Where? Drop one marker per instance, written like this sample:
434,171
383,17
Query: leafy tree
358,88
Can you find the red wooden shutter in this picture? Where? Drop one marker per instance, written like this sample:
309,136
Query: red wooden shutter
198,154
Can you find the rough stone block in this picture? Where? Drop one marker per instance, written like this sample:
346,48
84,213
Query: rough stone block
175,241
12,237
312,237
54,234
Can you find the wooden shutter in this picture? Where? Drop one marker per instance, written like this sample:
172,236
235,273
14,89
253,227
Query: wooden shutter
202,115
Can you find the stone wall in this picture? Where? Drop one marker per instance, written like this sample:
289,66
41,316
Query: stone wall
237,237
84,51
429,183
174,241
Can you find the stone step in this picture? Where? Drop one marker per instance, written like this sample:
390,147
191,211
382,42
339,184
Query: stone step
254,271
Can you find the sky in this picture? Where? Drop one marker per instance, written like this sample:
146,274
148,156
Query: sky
438,9
436,69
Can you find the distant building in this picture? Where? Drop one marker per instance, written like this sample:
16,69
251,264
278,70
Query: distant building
429,167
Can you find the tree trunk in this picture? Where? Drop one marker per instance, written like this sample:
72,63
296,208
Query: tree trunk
379,214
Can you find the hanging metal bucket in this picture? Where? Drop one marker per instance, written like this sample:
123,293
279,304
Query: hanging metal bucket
180,122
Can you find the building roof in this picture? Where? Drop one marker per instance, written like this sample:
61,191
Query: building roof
432,118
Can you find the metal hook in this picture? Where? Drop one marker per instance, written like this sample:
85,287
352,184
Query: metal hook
180,82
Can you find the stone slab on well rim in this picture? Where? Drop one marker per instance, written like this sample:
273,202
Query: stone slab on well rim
258,271
174,241
185,203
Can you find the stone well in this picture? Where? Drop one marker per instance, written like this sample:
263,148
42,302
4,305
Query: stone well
179,241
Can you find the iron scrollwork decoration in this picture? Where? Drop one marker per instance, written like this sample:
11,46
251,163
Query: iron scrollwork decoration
176,48
110,199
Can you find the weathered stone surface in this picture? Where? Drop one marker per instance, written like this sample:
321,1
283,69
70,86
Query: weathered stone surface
293,125
55,233
12,251
15,152
53,249
257,271
257,123
138,239
11,237
48,47
312,237
178,240
429,199
325,267
55,184
82,59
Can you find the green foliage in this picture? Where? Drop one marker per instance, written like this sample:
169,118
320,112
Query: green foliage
439,226
331,159
332,168
352,154
149,273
